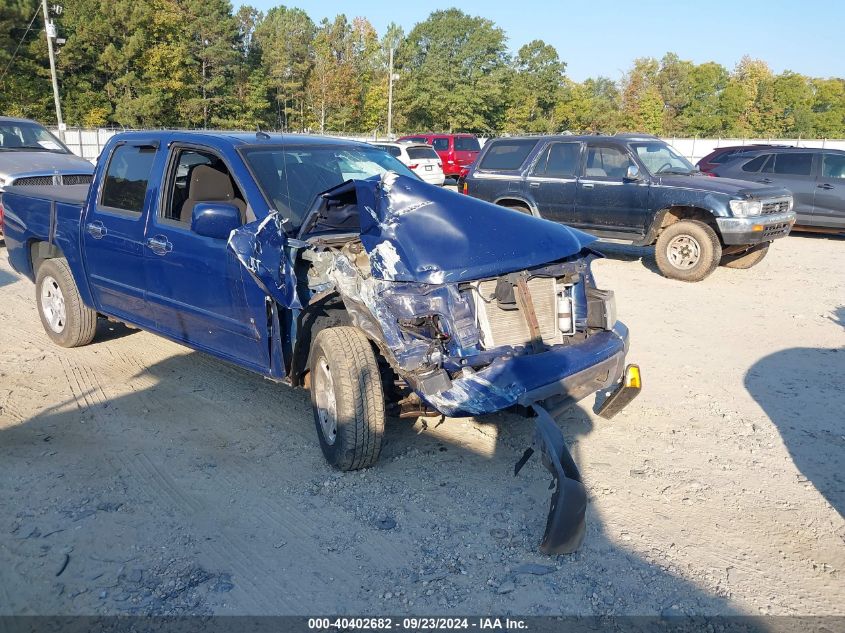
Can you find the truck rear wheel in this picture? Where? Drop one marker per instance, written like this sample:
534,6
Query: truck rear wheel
688,250
347,398
746,259
67,321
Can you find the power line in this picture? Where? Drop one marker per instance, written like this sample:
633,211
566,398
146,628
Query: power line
14,55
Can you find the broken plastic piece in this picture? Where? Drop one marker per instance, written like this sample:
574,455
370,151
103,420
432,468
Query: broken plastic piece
566,523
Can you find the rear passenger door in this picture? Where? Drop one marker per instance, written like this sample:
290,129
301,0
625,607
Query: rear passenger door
113,233
196,286
794,171
552,181
606,202
829,207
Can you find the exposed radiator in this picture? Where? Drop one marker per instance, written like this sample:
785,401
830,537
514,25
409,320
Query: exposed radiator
509,327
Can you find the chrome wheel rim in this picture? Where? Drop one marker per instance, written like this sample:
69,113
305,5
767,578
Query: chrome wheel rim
53,304
683,252
326,403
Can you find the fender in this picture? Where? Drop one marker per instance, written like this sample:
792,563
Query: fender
696,212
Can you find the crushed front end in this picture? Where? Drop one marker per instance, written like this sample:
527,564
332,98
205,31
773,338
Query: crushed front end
476,308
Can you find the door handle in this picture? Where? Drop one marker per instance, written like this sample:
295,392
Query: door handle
159,245
825,186
587,185
534,184
765,180
96,229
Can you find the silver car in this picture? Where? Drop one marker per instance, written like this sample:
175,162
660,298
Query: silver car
31,155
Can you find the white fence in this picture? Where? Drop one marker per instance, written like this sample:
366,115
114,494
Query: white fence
88,143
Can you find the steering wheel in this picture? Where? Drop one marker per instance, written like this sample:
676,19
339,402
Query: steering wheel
660,169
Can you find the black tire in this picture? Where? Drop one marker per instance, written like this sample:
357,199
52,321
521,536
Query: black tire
700,241
354,383
746,259
518,207
75,324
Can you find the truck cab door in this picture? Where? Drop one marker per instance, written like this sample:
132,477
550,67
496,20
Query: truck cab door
607,203
113,233
553,179
195,284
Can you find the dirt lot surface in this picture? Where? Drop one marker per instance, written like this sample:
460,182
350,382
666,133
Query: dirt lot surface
137,476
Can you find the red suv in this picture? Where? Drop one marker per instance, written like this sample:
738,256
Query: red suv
455,150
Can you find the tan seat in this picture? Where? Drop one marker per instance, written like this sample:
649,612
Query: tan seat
209,185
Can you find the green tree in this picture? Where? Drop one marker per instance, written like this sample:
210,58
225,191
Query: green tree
536,82
829,108
642,103
285,39
24,77
452,75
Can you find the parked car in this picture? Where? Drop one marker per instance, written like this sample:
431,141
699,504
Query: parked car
455,150
379,291
816,178
728,153
636,189
31,155
419,157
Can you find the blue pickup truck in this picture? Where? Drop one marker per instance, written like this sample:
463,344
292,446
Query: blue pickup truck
328,264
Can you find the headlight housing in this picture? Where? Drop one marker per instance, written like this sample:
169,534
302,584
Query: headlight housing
746,208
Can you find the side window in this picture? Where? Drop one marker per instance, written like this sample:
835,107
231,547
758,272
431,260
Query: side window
507,155
794,163
394,151
441,144
125,185
559,161
833,166
197,176
756,164
607,162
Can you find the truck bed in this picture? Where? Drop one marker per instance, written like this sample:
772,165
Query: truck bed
71,194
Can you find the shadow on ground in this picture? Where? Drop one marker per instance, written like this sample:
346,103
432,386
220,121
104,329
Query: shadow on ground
801,390
203,491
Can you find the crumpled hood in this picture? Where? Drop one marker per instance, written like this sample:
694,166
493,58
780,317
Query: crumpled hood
416,232
727,186
42,163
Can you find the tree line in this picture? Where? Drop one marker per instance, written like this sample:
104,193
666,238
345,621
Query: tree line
199,63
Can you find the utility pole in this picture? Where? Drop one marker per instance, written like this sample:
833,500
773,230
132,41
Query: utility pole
50,33
389,95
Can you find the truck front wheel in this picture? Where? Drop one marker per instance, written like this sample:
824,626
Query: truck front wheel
67,321
746,259
688,250
347,398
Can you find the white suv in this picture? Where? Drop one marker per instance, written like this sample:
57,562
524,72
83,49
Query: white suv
419,157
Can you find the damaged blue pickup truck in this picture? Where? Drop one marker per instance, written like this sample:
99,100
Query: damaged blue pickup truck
328,264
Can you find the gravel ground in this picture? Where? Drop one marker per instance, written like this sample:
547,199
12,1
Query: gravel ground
137,476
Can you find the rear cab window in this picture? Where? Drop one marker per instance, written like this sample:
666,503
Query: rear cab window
127,176
507,155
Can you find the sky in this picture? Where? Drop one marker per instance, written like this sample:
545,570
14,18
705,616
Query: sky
603,37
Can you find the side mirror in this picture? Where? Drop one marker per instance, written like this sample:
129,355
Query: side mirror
633,173
215,219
